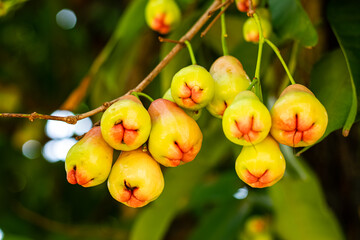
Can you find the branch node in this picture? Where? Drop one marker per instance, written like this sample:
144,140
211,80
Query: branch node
71,119
32,116
106,104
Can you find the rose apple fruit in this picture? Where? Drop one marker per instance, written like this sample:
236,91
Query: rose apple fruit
88,162
261,165
298,117
126,124
135,179
192,87
175,138
230,79
246,121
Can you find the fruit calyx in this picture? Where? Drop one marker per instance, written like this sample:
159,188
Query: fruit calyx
298,130
257,180
245,129
76,177
124,134
159,25
190,95
129,196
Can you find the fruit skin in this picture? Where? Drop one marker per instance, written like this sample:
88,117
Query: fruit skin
246,121
162,15
192,87
230,79
88,162
261,165
135,179
175,138
195,114
250,29
298,117
126,124
243,5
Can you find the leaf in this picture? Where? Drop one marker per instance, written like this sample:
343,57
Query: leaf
331,84
345,22
290,21
300,209
153,222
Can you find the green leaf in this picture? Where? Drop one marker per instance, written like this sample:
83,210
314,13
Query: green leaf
290,21
331,84
300,209
153,222
345,22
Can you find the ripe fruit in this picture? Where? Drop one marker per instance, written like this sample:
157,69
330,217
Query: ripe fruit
243,5
250,28
88,162
162,15
192,87
126,124
230,79
195,114
246,121
298,118
135,179
175,137
261,165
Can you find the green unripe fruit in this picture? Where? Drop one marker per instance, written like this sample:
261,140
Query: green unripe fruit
246,121
230,79
195,114
261,165
175,138
135,179
192,87
250,28
298,117
162,15
88,162
126,124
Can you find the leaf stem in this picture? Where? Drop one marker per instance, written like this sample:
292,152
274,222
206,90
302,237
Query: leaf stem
258,91
252,84
137,94
276,50
223,32
191,52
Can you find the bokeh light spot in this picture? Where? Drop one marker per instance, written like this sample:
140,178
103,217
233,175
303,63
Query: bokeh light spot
241,193
56,150
1,234
31,149
57,129
66,19
83,126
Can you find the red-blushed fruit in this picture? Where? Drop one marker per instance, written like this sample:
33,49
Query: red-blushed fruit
298,117
261,165
195,114
243,5
192,87
88,162
135,179
162,15
230,79
126,124
175,138
246,121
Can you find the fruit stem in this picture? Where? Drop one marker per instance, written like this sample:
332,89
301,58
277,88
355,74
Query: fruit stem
223,32
258,62
276,50
137,94
252,84
191,52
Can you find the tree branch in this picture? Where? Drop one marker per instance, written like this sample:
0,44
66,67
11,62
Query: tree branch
140,87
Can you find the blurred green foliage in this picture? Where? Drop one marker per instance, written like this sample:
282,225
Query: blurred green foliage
40,64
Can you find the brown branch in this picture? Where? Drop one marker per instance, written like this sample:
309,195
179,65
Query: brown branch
140,87
216,18
220,6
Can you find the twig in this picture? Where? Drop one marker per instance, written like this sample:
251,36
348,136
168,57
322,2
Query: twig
216,18
251,9
220,6
140,87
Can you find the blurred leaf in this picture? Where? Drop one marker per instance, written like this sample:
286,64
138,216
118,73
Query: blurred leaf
300,209
154,220
345,22
330,82
290,21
